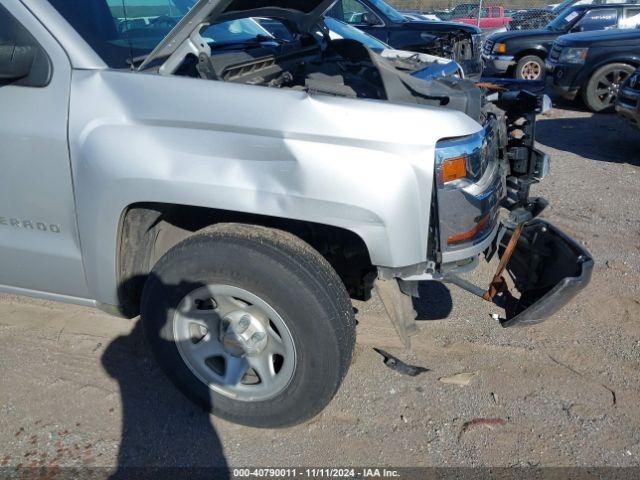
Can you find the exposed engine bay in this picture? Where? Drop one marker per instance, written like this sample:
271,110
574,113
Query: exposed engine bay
339,67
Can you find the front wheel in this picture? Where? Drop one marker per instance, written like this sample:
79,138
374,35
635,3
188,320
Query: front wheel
600,92
530,67
251,323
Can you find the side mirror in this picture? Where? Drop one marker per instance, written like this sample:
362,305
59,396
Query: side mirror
15,61
370,19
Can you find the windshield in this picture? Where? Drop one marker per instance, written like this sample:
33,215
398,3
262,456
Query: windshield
342,30
390,12
561,6
564,21
235,31
120,30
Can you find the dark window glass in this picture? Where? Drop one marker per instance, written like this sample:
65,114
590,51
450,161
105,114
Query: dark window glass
14,35
121,29
599,19
354,12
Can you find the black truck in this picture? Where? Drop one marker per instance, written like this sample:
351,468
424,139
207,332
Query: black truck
593,65
457,41
522,54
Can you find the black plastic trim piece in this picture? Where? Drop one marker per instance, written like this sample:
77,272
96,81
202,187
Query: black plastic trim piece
539,268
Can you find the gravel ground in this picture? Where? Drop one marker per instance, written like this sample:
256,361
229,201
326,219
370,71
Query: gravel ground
77,387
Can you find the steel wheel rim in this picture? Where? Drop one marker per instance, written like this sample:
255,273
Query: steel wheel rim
234,342
531,70
608,86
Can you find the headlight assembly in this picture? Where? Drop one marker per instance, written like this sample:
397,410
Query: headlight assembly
573,55
462,161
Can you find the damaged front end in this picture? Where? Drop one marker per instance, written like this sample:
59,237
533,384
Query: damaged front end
544,265
548,268
478,177
482,206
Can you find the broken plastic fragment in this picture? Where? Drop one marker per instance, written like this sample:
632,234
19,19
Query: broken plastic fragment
399,366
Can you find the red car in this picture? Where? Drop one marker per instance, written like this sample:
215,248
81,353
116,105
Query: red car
490,17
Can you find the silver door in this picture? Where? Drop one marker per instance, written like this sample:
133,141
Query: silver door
39,246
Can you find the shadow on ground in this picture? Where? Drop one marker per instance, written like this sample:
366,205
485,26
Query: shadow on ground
602,137
164,435
435,301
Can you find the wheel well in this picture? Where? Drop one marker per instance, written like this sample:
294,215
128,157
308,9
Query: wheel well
538,53
521,55
598,66
631,62
148,230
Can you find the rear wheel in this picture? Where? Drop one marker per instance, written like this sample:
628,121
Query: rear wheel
530,67
600,92
251,323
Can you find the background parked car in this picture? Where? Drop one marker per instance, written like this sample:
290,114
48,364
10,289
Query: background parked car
420,16
460,10
593,65
425,67
457,41
530,19
521,54
489,17
538,18
422,65
560,7
628,101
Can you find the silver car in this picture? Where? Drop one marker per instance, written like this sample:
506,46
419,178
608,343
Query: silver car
237,190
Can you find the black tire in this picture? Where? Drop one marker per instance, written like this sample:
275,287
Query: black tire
528,66
597,95
288,274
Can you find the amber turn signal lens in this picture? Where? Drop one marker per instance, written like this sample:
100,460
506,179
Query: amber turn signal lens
501,48
454,168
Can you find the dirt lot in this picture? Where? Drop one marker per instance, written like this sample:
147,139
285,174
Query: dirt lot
77,388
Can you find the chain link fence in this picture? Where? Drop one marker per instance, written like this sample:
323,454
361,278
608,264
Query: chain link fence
489,15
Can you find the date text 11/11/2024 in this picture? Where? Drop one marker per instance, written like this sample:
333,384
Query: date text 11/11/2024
315,473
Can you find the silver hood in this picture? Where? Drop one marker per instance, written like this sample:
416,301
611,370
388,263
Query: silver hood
302,14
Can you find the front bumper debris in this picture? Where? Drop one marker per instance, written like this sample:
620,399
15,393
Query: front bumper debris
546,267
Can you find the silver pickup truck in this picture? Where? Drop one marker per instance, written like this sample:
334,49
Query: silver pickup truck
165,158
